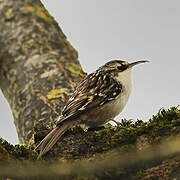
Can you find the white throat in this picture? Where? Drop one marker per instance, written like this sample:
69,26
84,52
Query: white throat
125,79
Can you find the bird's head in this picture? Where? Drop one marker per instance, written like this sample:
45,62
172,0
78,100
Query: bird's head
119,65
119,68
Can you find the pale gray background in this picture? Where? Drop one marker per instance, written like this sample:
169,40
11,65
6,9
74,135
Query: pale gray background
131,30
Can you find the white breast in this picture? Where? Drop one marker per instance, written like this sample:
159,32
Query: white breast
125,79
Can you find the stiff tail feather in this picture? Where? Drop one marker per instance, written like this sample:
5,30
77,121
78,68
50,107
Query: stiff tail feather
48,142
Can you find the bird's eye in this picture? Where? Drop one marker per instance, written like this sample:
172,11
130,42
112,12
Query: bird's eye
122,67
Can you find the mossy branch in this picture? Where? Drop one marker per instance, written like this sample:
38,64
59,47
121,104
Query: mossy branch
126,152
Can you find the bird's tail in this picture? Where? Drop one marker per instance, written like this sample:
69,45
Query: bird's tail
48,142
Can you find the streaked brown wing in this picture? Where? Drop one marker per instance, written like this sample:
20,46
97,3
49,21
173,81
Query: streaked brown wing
94,90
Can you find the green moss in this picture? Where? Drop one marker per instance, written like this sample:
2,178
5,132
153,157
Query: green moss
124,135
110,149
10,152
24,151
77,144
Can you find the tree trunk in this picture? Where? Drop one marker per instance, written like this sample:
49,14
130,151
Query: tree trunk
38,66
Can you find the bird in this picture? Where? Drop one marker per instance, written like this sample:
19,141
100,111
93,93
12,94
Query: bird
97,99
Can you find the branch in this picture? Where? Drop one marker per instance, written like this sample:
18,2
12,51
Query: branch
141,150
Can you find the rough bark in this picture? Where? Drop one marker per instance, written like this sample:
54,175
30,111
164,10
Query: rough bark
38,66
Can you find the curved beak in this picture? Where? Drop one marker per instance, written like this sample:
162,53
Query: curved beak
135,63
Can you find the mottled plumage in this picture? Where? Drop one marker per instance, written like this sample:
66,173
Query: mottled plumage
98,98
90,93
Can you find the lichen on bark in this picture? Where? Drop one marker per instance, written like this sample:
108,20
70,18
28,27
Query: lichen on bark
35,59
